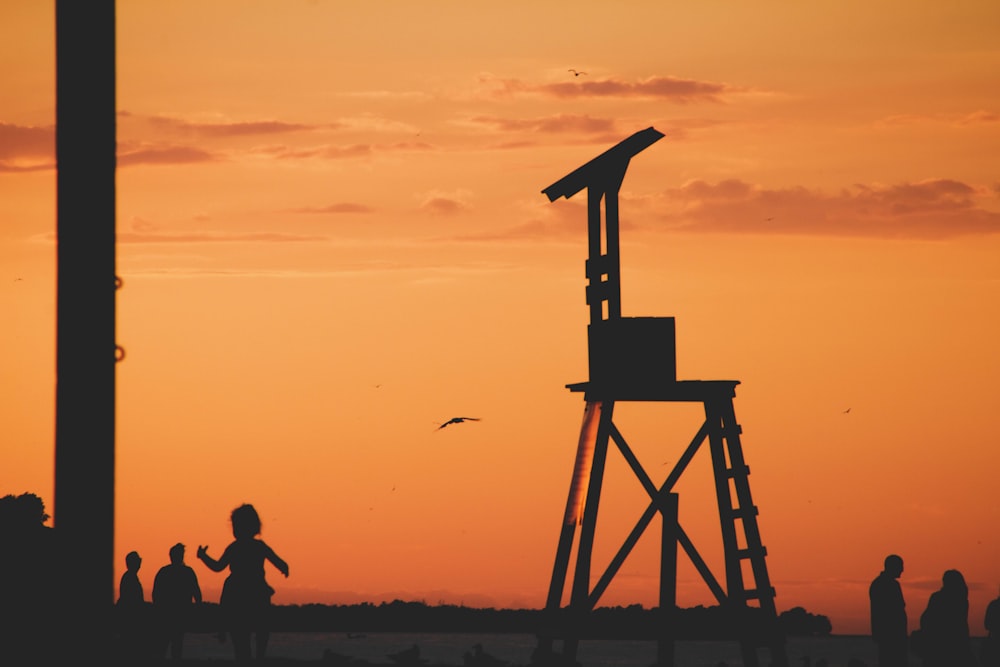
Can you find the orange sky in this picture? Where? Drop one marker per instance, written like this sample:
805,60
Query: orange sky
332,238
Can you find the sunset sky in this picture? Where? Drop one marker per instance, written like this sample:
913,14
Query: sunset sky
332,239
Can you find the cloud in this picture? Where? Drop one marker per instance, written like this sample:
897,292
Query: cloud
27,147
577,129
972,118
544,222
681,91
340,152
215,237
163,155
666,88
327,152
931,209
441,203
980,117
551,124
935,209
390,95
6,167
19,141
217,129
369,122
340,207
442,206
145,231
239,129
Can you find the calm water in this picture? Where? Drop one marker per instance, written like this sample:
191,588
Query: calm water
449,648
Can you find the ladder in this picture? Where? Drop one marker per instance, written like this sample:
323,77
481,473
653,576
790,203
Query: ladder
746,596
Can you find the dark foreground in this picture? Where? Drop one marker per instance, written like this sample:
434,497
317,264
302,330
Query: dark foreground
459,650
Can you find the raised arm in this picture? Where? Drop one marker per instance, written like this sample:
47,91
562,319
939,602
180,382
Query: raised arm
211,563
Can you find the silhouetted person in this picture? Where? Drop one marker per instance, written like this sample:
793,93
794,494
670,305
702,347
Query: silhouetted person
131,611
28,588
130,593
888,614
991,646
246,595
945,624
175,592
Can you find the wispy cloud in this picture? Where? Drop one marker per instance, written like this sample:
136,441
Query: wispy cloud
927,210
18,141
27,147
389,95
557,123
144,231
215,237
579,128
219,128
445,203
971,118
669,88
10,167
162,155
931,209
665,88
339,207
542,222
340,152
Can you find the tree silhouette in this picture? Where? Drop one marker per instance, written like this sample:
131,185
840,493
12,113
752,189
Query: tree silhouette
27,568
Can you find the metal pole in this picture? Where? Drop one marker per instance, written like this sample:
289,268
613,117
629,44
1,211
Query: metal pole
85,328
668,580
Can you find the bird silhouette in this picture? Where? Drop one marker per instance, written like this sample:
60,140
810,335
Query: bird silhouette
575,72
847,410
457,420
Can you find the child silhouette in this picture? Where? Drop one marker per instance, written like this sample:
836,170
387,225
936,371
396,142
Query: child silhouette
246,595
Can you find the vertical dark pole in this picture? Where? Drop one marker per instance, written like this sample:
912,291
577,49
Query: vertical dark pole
668,580
85,328
596,294
579,601
612,249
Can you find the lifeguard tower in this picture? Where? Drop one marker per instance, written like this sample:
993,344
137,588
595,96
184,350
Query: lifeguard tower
634,359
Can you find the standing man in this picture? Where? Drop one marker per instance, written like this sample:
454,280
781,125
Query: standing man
131,611
991,647
175,591
888,614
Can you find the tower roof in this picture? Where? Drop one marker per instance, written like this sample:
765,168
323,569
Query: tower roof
609,164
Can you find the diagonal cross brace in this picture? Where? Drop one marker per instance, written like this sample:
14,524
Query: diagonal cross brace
647,516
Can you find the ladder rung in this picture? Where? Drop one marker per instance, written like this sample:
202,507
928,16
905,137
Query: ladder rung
756,594
751,552
597,266
741,470
742,512
599,292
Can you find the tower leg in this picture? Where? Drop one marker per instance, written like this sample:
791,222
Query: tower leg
581,508
757,627
668,581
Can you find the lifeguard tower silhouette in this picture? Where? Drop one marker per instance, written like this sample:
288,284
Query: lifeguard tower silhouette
634,359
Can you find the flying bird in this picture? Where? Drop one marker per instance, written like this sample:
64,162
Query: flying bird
457,420
575,72
847,410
